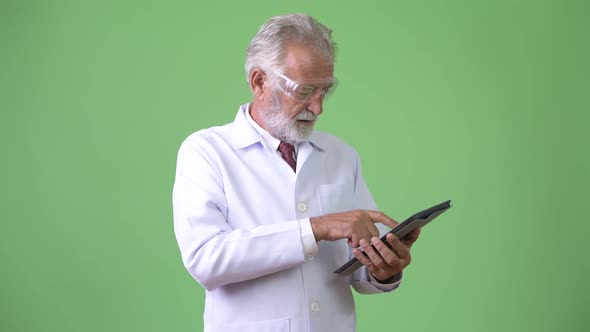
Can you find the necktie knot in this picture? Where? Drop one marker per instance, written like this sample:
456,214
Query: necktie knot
288,153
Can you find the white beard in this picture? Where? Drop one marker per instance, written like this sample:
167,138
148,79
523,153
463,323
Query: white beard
283,128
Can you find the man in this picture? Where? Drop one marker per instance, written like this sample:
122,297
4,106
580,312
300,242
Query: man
266,208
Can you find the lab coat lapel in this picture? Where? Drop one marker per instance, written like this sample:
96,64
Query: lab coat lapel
306,149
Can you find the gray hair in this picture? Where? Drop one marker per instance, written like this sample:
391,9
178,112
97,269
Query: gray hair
267,48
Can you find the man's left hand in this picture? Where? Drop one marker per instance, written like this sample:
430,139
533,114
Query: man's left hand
382,262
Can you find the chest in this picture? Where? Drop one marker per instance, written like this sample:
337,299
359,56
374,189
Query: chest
260,187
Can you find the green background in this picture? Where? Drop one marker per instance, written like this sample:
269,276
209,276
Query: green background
482,102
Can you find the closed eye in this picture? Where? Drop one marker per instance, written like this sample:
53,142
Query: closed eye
304,91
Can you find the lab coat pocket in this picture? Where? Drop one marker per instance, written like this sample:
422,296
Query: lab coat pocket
273,325
335,198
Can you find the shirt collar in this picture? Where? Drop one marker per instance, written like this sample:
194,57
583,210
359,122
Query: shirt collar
270,142
246,133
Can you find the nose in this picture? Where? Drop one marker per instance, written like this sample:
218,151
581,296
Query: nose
316,105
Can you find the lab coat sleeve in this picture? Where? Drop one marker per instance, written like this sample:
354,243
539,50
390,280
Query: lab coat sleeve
362,280
212,252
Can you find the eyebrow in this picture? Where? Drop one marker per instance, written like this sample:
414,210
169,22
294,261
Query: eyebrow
316,83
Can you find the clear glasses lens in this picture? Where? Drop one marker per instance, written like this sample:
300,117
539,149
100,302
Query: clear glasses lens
302,93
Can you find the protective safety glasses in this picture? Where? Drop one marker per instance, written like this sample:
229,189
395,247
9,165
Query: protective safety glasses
303,93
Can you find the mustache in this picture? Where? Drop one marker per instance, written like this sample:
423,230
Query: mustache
307,115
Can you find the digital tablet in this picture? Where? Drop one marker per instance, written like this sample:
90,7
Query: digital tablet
417,220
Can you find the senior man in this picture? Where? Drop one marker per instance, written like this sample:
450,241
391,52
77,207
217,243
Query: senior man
266,208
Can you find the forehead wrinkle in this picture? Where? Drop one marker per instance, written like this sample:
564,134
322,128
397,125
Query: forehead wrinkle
303,64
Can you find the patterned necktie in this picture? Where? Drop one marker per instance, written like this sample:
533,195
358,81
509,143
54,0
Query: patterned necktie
287,151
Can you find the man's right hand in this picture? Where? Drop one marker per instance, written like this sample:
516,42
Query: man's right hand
352,225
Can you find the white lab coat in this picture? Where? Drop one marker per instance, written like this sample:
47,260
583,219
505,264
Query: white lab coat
237,214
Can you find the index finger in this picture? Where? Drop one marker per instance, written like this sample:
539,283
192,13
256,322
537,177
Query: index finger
377,216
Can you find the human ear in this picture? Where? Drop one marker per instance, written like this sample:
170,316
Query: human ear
257,80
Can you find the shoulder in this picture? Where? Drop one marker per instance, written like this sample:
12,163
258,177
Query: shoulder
212,136
205,145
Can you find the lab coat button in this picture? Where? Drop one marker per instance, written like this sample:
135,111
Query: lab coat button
309,258
315,307
302,207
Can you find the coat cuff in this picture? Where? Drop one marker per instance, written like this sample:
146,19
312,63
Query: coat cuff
310,247
388,285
